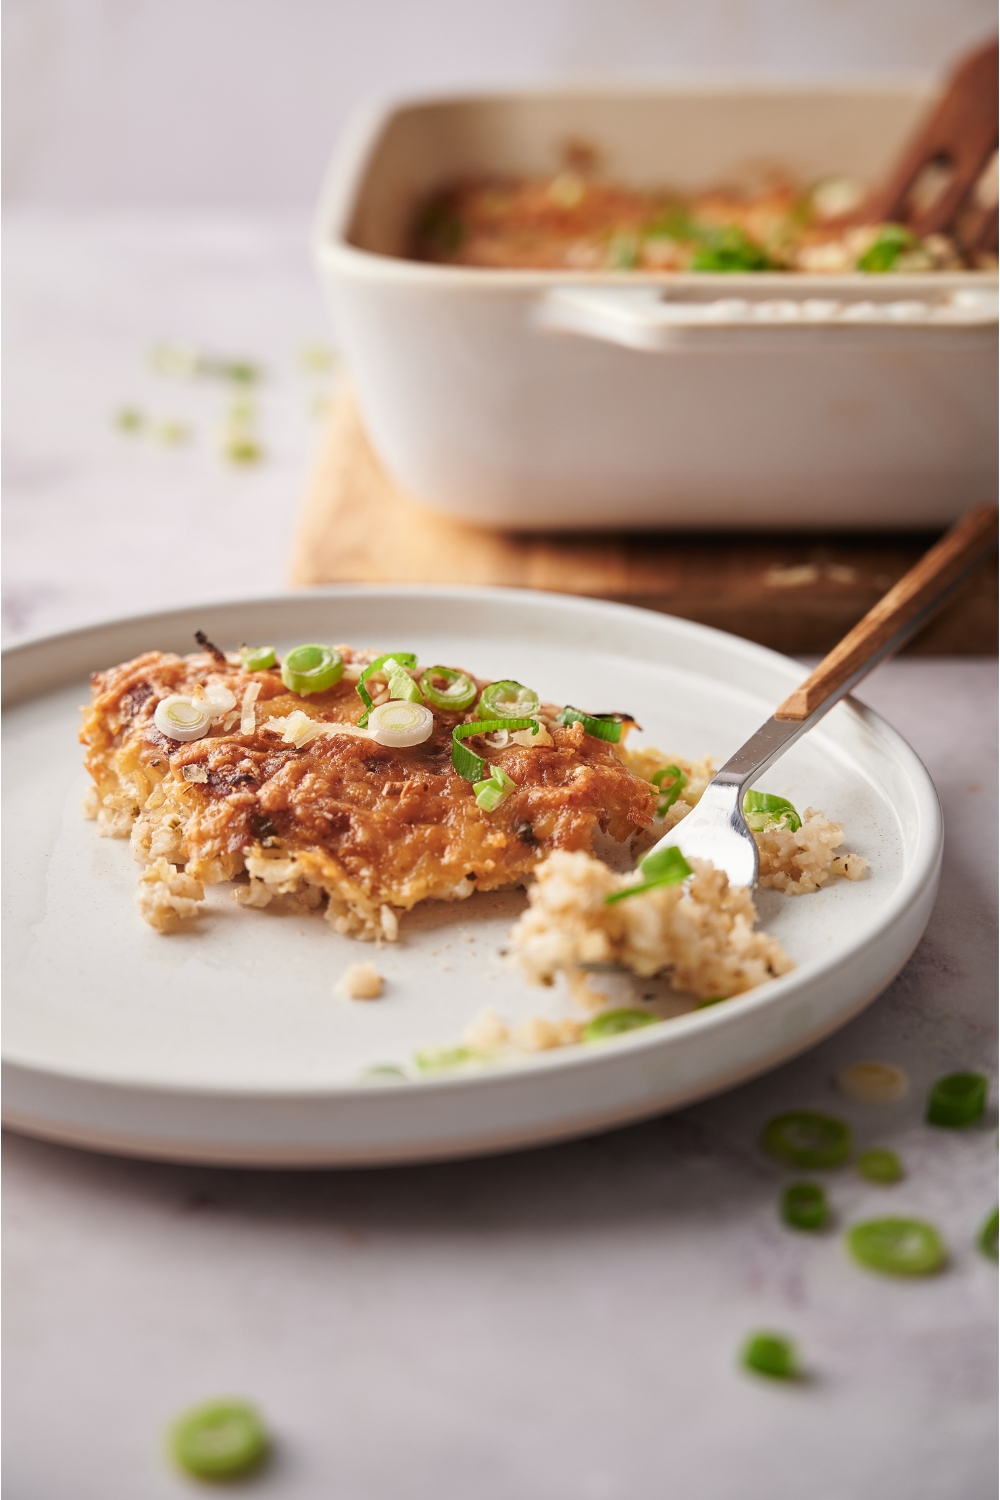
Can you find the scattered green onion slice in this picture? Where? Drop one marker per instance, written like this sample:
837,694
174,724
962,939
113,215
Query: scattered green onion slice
181,718
804,1206
614,1022
807,1140
669,868
401,658
879,1165
507,700
439,1059
987,1239
958,1099
770,1354
710,1000
604,727
400,684
897,1247
311,669
884,251
495,790
218,1440
762,810
466,762
456,695
401,724
668,796
384,1070
873,1083
257,658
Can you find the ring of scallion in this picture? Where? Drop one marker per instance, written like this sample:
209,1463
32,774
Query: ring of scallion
762,810
665,867
311,669
804,1206
614,1022
668,796
988,1238
457,693
806,1139
957,1099
879,1165
404,659
219,1440
257,658
602,727
770,1354
466,762
507,700
182,718
897,1247
495,790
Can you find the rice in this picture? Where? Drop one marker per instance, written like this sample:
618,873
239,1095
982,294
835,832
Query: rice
700,934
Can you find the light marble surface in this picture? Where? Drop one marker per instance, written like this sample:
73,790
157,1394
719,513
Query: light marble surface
557,1324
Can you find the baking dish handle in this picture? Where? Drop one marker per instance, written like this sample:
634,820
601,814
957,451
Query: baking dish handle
650,318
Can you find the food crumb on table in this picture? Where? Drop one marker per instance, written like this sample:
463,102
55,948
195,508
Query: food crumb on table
361,982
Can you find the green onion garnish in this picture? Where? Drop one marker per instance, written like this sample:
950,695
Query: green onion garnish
181,718
807,1140
729,249
257,658
897,1247
439,1059
958,1099
401,685
603,727
669,794
762,810
668,867
507,700
495,790
219,1440
614,1022
770,1354
884,251
987,1239
128,419
880,1166
804,1206
447,689
401,658
710,1000
466,762
311,669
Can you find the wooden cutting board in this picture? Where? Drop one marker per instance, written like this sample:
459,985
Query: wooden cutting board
795,593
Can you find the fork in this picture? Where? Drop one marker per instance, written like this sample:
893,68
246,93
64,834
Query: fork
716,829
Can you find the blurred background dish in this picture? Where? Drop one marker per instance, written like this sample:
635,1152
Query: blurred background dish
544,398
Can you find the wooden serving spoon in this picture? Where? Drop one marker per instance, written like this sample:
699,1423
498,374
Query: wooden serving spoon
933,189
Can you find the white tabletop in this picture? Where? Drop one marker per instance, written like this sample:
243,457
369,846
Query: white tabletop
560,1323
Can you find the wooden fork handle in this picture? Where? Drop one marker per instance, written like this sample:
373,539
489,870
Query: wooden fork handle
926,584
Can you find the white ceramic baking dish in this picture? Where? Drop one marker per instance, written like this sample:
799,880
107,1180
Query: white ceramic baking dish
585,399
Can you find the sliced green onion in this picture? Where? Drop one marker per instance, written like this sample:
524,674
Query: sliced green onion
507,700
761,811
897,1247
492,792
384,1070
401,724
884,251
614,1022
661,868
606,727
987,1239
873,1083
218,1440
401,658
182,718
400,684
729,249
466,762
958,1099
257,658
879,1165
311,669
770,1354
457,693
667,797
807,1140
804,1206
710,1000
439,1059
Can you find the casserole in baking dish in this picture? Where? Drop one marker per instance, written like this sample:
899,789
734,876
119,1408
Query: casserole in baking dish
643,398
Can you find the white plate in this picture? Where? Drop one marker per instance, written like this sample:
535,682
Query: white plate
228,1044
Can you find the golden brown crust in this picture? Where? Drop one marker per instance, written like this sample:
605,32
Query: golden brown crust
369,825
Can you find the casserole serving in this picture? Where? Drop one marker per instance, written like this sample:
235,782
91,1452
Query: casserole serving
561,398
